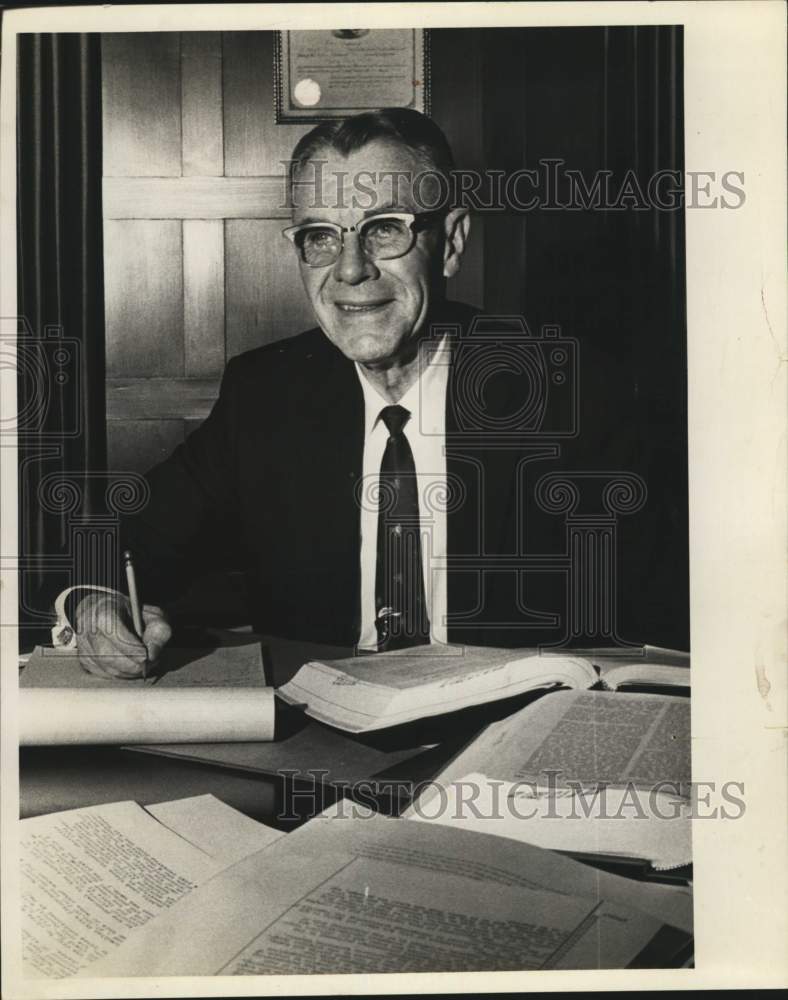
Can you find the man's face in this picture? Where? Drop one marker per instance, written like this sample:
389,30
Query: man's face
372,310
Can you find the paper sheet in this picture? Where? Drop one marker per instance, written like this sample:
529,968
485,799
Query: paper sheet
314,752
212,826
91,878
236,662
130,714
364,694
376,895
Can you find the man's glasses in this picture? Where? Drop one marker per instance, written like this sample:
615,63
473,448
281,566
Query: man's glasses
382,237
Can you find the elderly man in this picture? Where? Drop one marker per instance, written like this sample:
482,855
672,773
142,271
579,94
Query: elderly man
325,449
386,476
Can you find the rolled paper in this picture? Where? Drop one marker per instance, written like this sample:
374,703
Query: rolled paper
62,716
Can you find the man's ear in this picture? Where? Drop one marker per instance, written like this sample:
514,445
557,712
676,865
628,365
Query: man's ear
457,225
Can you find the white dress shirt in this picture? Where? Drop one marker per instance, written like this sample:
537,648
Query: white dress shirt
426,434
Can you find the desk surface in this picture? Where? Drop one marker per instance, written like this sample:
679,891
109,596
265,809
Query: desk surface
56,778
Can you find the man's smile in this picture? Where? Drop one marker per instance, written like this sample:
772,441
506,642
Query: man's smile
366,306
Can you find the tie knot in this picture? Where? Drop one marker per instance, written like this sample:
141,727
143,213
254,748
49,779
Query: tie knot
395,418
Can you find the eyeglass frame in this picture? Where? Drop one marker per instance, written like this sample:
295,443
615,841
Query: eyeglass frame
412,218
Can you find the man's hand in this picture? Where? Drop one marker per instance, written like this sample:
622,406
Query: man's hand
106,642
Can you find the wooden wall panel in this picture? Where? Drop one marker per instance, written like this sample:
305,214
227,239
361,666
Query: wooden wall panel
137,445
253,143
160,398
265,297
143,297
141,101
203,297
201,92
194,198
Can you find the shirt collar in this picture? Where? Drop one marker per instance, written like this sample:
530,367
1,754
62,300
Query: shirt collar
425,399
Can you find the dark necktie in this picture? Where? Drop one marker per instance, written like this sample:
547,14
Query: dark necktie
400,606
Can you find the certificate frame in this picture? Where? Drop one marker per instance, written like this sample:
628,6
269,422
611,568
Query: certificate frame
292,57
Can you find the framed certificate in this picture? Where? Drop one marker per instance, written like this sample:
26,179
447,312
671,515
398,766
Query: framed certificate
331,74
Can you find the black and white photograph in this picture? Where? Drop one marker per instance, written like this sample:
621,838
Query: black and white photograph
393,499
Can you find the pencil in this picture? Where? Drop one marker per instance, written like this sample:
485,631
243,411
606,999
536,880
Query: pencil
134,598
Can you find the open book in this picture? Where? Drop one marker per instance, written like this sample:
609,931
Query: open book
585,772
366,693
354,892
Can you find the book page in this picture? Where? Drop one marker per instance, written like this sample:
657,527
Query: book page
92,877
373,894
362,694
585,737
617,738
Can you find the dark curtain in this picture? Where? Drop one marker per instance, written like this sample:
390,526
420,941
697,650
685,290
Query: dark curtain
592,99
61,404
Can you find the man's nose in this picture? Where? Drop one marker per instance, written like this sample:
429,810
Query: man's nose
353,266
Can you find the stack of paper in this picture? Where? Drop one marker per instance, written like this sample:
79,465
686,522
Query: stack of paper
92,878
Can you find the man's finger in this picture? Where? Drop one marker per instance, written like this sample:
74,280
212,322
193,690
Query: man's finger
155,638
157,631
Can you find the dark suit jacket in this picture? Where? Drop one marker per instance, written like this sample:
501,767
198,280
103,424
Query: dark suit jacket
279,461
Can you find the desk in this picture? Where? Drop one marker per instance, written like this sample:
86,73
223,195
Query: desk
54,779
